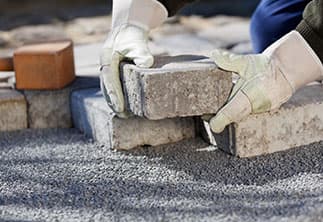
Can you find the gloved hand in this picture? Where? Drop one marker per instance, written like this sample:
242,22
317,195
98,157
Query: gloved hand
266,80
131,22
129,42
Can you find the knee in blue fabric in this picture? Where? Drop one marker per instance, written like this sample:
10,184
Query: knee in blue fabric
273,19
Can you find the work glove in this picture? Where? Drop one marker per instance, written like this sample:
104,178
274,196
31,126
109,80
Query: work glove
131,22
266,80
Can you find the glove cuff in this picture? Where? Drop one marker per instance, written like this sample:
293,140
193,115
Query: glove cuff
296,60
146,14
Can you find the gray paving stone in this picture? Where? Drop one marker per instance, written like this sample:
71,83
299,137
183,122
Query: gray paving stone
13,110
298,122
92,116
177,86
48,109
51,108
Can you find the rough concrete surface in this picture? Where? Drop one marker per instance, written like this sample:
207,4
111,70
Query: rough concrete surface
176,86
92,116
13,110
58,175
298,122
48,109
51,108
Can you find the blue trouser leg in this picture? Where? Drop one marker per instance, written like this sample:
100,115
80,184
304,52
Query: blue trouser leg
273,19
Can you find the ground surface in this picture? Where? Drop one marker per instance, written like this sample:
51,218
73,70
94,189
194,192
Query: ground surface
58,175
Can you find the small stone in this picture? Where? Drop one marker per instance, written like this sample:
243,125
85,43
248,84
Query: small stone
93,117
177,86
297,123
13,110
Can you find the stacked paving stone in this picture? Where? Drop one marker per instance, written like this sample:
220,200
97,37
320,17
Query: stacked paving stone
194,86
92,116
164,100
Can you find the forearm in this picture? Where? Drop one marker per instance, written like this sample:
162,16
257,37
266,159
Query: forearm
174,5
311,27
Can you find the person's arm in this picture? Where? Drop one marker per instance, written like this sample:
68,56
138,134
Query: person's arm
311,27
173,6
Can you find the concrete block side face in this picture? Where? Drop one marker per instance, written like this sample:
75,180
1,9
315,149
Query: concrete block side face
52,108
92,116
78,110
49,109
179,86
226,141
132,87
297,123
65,64
100,117
13,115
282,131
134,132
184,93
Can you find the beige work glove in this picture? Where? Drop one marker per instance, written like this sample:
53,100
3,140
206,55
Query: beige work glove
131,22
266,80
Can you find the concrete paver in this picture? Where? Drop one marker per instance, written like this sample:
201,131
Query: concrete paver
13,110
92,116
48,109
176,86
51,108
297,123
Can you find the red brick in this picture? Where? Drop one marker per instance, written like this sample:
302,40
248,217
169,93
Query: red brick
44,66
